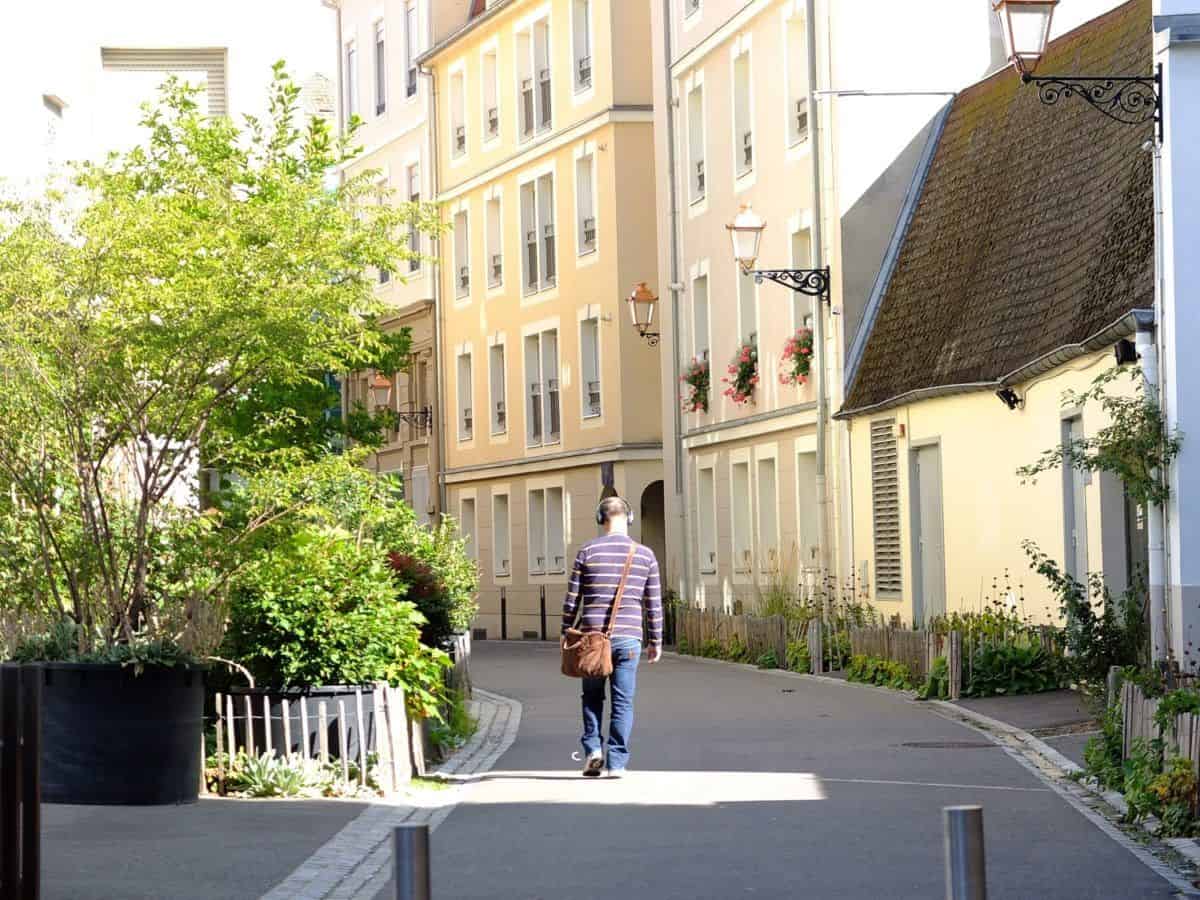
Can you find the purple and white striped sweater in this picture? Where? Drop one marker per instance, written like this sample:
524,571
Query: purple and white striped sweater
594,580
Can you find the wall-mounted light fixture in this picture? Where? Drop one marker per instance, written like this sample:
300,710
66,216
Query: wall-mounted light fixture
1010,398
1125,352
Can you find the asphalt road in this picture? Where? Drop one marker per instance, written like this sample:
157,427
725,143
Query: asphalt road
753,784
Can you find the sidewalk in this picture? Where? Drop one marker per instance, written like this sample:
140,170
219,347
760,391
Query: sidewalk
1060,718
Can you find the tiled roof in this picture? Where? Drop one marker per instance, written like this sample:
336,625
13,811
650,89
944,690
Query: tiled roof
1033,231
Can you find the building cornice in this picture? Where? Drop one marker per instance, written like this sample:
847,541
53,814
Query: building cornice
626,452
491,12
750,426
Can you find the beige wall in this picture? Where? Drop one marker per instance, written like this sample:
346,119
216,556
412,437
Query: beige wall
589,283
988,511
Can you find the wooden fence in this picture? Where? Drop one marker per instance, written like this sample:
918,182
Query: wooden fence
701,627
342,729
1137,717
916,650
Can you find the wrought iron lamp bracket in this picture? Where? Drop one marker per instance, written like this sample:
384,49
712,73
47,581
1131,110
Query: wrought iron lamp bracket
420,418
1131,100
650,336
813,282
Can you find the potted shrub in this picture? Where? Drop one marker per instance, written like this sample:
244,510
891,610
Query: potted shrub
143,307
696,378
742,374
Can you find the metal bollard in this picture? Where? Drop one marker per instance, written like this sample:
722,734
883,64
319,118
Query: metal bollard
410,862
503,615
965,876
542,605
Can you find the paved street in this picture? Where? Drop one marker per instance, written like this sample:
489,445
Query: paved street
857,777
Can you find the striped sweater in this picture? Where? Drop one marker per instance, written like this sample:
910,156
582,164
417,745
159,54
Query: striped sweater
594,580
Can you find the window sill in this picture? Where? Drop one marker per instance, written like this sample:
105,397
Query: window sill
590,251
592,415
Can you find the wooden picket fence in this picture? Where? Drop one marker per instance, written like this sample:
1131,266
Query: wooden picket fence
342,730
916,650
1137,717
757,634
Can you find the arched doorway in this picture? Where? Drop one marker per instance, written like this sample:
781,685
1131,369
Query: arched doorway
653,519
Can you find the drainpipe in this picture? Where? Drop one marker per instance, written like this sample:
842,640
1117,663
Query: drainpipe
818,312
336,6
438,311
1147,340
676,289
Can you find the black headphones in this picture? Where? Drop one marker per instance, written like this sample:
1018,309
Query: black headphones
601,518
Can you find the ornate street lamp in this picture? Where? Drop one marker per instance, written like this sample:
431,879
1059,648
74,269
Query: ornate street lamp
745,234
642,303
381,391
1130,99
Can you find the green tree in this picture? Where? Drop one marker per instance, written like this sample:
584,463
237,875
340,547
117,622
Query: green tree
149,311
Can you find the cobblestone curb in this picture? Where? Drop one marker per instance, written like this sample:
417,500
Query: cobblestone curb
355,863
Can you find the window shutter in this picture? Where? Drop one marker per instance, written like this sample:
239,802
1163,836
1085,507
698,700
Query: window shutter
210,60
885,506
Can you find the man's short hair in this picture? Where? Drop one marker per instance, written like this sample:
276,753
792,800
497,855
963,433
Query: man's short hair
612,507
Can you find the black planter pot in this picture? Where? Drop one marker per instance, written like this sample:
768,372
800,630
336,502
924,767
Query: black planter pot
112,737
311,700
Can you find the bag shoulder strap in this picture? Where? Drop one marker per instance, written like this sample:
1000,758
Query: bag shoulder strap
612,617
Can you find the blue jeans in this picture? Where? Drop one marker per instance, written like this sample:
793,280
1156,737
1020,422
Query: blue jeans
626,654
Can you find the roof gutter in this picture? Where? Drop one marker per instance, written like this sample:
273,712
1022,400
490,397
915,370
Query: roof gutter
1133,321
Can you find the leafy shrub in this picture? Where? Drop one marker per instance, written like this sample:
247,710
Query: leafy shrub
1102,630
1012,669
876,670
1142,767
267,775
937,682
1102,754
322,609
768,660
1175,703
798,659
1175,790
455,728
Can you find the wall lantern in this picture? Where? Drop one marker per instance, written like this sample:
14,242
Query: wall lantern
1026,28
381,391
745,233
1010,398
642,303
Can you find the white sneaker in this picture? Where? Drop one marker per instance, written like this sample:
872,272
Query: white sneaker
616,773
594,765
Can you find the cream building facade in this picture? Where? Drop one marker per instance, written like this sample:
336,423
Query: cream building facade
544,148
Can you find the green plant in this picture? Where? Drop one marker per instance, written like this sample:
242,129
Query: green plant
743,374
711,649
1179,702
697,379
1012,668
683,646
455,728
1175,790
1141,768
876,670
1135,446
736,651
798,659
143,305
1102,754
1102,630
768,660
937,682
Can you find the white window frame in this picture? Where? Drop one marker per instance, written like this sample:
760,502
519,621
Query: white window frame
590,314
490,50
539,331
497,427
462,255
527,30
412,49
502,554
791,13
697,199
767,546
581,91
536,177
743,556
465,393
379,67
350,62
712,546
743,176
494,195
469,537
586,151
457,120
412,173
699,271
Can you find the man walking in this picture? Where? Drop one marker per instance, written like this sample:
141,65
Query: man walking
592,592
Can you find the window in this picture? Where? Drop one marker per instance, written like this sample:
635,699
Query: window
885,506
380,71
768,515
541,374
422,394
414,233
585,204
491,102
466,415
806,508
351,98
458,114
381,198
707,502
462,256
533,78
690,7
501,543
547,551
739,488
495,254
743,127
581,15
589,363
796,113
695,114
537,226
496,380
412,50
700,317
466,527
801,259
747,307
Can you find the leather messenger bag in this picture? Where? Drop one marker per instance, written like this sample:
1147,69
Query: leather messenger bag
588,654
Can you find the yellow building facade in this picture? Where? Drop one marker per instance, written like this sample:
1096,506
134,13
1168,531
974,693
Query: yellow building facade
544,170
